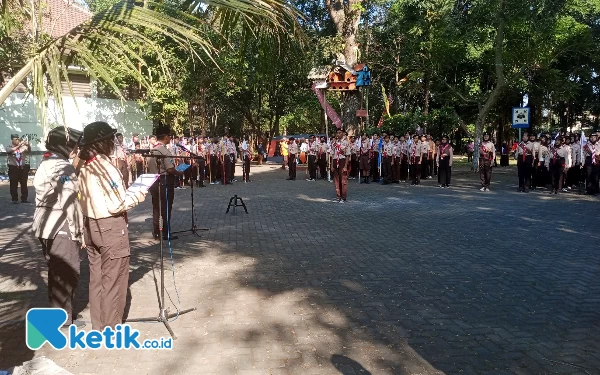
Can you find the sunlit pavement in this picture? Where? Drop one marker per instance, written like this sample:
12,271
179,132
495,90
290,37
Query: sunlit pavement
400,280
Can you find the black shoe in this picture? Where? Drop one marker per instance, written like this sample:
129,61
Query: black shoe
15,202
25,201
288,179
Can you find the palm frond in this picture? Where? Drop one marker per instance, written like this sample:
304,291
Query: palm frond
102,34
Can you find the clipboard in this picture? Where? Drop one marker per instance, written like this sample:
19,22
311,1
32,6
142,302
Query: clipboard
142,183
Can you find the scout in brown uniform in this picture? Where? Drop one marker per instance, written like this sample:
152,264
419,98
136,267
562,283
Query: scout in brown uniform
534,169
322,158
386,161
365,157
487,153
524,157
340,155
425,153
590,155
58,220
436,147
104,203
415,160
444,161
215,153
353,174
120,158
397,151
246,152
559,162
375,157
163,190
292,153
403,145
543,158
18,167
313,150
430,156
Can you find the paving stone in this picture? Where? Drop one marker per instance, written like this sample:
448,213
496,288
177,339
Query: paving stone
399,280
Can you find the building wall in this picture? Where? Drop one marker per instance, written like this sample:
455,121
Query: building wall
19,115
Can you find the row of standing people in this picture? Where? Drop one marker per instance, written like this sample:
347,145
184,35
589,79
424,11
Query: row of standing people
393,159
562,162
214,158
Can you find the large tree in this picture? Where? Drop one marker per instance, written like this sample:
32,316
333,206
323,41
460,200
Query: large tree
346,15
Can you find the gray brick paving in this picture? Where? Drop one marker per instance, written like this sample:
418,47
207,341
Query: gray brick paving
400,280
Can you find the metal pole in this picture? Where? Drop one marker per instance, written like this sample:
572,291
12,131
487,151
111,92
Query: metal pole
327,134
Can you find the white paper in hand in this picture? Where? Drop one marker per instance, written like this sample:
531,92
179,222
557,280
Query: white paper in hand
142,183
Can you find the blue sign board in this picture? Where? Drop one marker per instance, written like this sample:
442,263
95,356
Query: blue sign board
520,117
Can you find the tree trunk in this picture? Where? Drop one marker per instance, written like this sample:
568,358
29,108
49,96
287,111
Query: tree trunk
350,104
426,88
345,14
500,84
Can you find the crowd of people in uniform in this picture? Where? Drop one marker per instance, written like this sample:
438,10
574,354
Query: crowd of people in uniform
82,195
211,159
563,162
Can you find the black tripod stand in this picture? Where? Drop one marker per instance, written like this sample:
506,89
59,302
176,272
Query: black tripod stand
163,314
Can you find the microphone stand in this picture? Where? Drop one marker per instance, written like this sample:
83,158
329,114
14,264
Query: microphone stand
194,229
163,314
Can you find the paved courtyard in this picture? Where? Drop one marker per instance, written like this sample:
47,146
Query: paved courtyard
400,280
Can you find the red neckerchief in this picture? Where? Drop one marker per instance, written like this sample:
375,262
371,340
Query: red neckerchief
19,158
524,148
483,151
443,149
592,152
90,160
47,155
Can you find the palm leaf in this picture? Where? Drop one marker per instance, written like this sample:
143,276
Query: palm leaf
101,36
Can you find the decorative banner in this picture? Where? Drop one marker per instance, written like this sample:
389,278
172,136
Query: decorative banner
386,101
327,107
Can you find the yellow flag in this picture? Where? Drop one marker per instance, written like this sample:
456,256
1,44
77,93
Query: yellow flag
386,102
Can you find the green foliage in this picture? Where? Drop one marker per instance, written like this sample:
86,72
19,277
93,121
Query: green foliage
438,122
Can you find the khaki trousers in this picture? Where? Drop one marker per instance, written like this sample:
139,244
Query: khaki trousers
340,178
108,250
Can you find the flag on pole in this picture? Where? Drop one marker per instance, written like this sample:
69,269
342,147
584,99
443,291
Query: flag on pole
380,123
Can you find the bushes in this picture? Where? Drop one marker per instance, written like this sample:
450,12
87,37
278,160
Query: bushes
438,121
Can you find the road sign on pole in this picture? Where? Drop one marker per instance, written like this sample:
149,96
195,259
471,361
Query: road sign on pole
520,117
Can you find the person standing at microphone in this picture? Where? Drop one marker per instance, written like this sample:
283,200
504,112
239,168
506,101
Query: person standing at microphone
104,203
163,190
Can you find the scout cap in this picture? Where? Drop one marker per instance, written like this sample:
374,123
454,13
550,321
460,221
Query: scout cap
14,136
163,130
62,141
96,132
